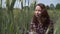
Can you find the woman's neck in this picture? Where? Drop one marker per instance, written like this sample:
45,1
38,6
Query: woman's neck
39,20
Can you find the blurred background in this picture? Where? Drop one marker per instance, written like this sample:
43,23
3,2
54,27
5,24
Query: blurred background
15,15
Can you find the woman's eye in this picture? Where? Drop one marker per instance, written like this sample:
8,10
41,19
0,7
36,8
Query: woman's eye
39,10
35,10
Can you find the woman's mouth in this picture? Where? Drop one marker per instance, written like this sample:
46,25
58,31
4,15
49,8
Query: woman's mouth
37,15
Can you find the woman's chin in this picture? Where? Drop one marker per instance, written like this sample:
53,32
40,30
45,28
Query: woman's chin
37,16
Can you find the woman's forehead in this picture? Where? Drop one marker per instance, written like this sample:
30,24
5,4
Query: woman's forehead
38,7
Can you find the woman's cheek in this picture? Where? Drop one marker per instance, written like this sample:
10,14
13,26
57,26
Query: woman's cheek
35,13
39,12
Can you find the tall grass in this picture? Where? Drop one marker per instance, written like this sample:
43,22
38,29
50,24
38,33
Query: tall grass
16,21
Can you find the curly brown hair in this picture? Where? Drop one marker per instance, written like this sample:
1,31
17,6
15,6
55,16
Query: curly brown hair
44,18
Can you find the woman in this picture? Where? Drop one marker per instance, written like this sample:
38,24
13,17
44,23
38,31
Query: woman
41,23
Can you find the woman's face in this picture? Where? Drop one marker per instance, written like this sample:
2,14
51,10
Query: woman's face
37,11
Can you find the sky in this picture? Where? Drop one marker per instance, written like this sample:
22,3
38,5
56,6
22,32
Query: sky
48,2
18,3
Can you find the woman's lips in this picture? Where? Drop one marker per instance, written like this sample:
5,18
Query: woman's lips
37,15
